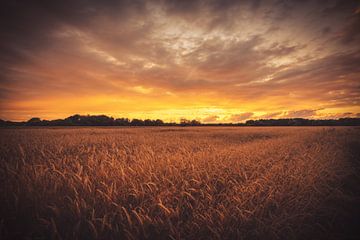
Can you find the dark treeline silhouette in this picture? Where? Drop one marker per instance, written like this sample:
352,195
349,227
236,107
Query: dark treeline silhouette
304,122
94,120
97,120
103,120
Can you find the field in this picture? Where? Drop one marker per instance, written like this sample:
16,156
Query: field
180,183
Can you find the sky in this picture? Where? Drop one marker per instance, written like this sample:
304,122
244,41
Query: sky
214,61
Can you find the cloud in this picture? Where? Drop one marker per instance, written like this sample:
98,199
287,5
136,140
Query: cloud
338,115
270,115
240,117
306,113
351,31
210,119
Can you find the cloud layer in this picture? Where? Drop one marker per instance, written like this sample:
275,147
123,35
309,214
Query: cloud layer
213,60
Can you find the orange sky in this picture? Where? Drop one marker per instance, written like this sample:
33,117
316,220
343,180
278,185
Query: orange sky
215,61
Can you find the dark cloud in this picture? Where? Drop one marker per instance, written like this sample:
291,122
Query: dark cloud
328,68
339,6
326,30
27,26
351,31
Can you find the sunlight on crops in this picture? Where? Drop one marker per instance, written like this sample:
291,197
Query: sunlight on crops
178,183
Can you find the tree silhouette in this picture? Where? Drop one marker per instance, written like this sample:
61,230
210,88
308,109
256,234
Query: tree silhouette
103,120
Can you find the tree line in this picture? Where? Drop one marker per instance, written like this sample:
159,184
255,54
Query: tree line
103,120
98,120
304,122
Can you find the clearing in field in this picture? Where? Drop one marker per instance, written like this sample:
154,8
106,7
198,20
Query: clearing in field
179,183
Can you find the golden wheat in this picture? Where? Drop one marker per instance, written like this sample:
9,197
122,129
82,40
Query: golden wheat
178,183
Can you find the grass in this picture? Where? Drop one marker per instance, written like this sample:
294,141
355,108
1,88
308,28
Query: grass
180,183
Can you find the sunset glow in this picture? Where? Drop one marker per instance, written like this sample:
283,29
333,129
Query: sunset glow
215,61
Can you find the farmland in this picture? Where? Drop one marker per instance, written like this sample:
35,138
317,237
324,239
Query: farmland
179,183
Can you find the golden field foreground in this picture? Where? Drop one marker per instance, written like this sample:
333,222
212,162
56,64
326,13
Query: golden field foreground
180,183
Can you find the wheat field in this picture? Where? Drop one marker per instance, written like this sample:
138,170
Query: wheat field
180,183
